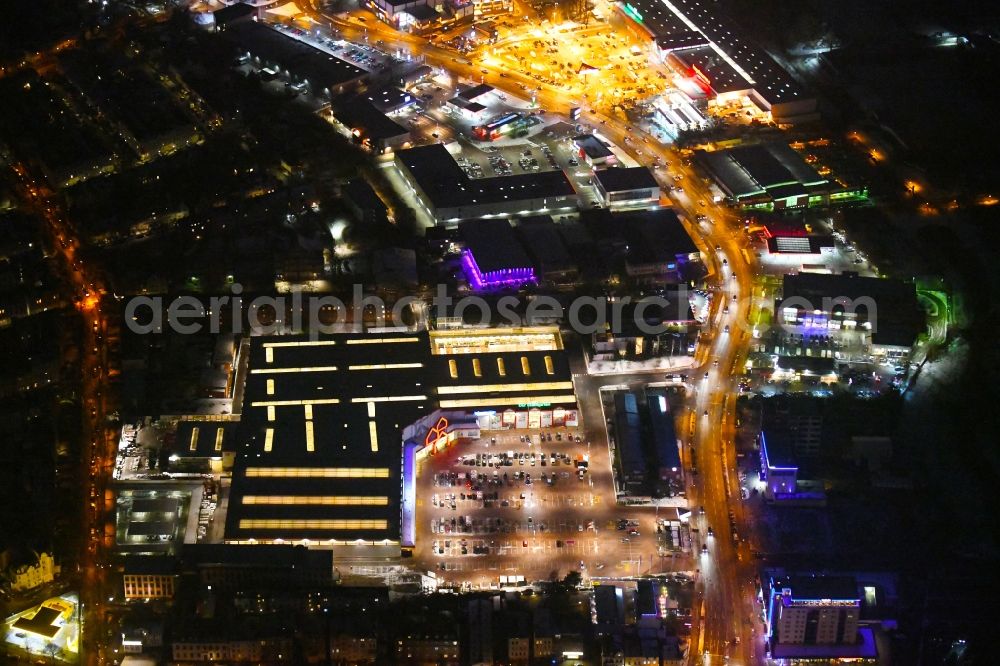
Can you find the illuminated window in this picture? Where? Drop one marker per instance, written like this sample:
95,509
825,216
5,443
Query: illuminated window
310,442
525,368
314,524
270,387
319,472
549,369
477,369
268,439
309,412
289,403
501,368
391,398
301,343
194,439
506,388
218,439
381,341
386,366
373,435
279,371
328,500
270,412
453,368
511,400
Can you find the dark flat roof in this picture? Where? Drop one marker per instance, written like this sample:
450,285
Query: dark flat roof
592,146
761,165
544,243
207,441
750,170
446,185
356,392
320,68
361,194
421,12
805,586
360,114
493,245
151,528
898,319
233,12
271,556
628,432
472,93
778,448
387,371
664,431
657,235
40,623
732,177
150,564
389,99
623,179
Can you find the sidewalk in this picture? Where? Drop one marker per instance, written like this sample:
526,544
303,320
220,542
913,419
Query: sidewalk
662,364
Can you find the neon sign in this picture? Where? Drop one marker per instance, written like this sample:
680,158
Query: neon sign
632,12
436,434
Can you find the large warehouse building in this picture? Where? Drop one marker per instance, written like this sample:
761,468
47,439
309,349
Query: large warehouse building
700,42
772,176
319,456
449,195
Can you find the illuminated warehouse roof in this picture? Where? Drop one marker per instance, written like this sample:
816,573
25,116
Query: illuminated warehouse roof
320,440
730,62
319,447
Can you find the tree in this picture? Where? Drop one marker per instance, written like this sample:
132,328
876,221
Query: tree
572,580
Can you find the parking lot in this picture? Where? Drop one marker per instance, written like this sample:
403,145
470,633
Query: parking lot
529,502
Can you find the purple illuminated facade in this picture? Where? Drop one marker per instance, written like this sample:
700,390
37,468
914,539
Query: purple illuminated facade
498,279
776,468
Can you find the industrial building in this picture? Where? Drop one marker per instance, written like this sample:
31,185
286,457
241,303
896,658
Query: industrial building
645,433
470,102
772,176
404,14
666,446
319,437
361,120
322,73
493,257
786,235
884,312
628,442
238,12
593,151
627,186
449,195
551,258
653,244
321,459
702,45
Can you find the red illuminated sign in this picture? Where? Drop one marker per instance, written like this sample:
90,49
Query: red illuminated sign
436,434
